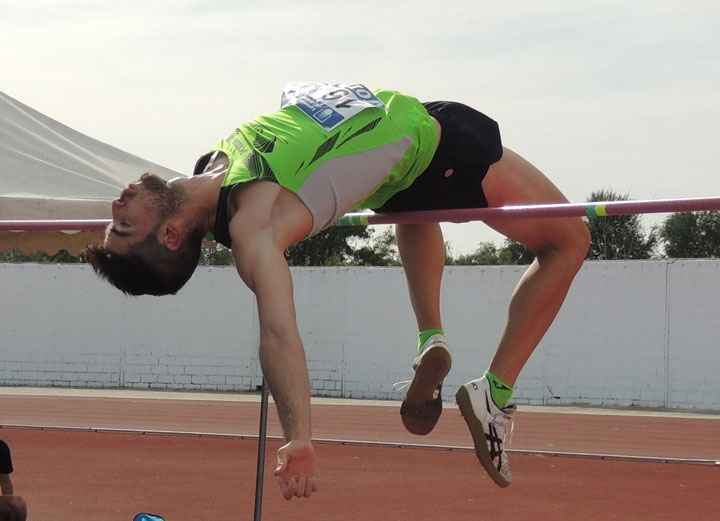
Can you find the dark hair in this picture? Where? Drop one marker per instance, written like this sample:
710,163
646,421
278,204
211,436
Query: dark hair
149,268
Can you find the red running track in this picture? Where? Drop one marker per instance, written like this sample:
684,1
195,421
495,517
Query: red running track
84,475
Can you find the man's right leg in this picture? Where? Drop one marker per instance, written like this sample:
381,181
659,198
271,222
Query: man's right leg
560,245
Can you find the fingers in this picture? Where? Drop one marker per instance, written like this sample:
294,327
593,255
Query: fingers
301,483
297,486
311,486
288,486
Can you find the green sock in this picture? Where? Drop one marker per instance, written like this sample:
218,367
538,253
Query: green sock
499,391
424,335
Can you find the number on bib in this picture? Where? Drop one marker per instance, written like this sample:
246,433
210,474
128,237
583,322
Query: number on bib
329,105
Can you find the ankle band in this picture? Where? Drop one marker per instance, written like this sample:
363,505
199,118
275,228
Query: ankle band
499,390
424,335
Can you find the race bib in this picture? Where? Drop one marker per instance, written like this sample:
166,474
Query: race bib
329,105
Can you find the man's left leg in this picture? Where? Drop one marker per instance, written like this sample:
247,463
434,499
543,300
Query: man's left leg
422,251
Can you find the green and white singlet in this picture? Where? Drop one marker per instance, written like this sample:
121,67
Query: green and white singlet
338,147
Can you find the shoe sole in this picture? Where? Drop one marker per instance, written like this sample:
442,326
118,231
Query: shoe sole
420,411
462,398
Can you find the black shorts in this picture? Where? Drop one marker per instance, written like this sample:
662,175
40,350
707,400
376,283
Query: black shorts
469,144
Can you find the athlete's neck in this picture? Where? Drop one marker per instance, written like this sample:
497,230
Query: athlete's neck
200,199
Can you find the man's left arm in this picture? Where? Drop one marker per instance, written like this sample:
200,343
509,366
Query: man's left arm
284,366
267,221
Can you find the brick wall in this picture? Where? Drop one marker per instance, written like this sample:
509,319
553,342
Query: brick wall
631,333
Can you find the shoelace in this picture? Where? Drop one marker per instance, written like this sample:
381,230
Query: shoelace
502,419
399,386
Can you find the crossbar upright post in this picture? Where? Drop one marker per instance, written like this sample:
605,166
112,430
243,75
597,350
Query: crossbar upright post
262,437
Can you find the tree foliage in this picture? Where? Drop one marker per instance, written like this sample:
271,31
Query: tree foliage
488,254
514,252
330,247
345,246
380,251
335,246
40,257
691,235
618,237
216,255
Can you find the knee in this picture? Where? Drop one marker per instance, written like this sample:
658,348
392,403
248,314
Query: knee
571,246
579,241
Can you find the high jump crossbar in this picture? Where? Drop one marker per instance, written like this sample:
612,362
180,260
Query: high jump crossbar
530,211
590,209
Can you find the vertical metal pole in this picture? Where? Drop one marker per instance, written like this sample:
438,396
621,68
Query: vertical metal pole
261,451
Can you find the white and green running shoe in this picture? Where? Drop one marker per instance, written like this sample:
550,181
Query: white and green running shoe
489,426
422,404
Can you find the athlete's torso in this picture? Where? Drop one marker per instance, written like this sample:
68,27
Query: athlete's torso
338,147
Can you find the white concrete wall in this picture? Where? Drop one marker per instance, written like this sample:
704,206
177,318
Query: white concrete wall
631,333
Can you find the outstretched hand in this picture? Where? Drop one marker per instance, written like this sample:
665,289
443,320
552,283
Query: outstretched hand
296,469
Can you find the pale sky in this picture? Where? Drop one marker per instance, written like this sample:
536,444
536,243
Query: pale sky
597,94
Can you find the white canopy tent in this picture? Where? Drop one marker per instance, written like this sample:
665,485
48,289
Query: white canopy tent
50,171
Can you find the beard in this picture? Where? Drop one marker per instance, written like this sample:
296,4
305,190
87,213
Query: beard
166,199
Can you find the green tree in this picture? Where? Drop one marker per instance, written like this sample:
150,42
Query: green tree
514,252
691,234
332,246
380,251
216,255
618,237
40,257
488,254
